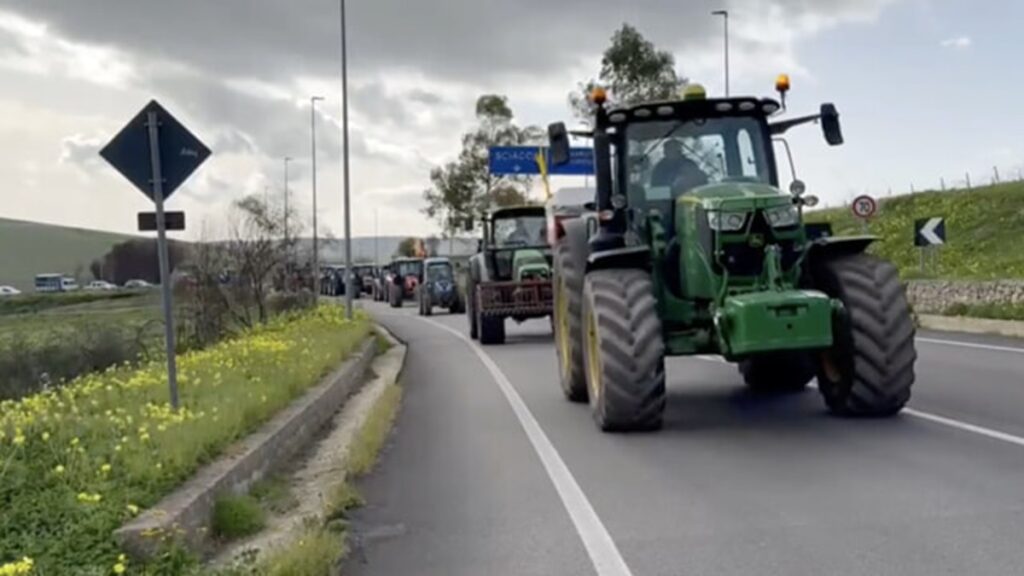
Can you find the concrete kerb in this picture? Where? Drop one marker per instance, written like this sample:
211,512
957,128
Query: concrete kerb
319,472
971,325
184,515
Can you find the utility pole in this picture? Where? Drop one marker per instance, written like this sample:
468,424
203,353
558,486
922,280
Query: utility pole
287,159
316,248
344,129
967,176
995,174
725,22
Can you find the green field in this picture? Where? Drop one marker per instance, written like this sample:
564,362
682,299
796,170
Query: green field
984,227
30,248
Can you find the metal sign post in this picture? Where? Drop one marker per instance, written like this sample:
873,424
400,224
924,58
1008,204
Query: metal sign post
156,154
864,207
153,124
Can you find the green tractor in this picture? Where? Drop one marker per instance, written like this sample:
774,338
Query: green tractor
694,249
510,276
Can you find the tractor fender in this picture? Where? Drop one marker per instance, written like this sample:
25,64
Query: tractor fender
638,257
478,269
833,247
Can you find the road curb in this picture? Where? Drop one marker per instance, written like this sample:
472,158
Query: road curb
971,325
184,515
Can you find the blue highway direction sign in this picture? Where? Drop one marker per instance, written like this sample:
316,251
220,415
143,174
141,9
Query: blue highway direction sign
180,152
522,160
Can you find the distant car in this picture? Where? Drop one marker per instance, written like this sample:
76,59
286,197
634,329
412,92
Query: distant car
9,291
100,285
137,284
55,283
566,204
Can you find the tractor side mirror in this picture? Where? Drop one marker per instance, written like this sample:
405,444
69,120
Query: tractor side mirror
558,140
830,125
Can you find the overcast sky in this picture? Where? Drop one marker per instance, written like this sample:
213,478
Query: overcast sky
927,90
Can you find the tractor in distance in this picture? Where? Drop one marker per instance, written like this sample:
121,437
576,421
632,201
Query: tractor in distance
510,276
439,288
406,274
694,249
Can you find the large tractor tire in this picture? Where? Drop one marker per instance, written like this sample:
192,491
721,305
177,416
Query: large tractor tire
778,372
471,308
623,353
490,329
395,295
869,370
567,319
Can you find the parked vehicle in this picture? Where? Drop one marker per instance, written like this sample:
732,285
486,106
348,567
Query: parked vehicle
55,283
9,291
380,283
439,288
100,285
137,284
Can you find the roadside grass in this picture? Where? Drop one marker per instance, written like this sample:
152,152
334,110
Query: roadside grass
273,494
237,515
982,225
28,303
990,311
79,461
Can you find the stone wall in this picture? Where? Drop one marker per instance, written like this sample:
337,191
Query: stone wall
935,296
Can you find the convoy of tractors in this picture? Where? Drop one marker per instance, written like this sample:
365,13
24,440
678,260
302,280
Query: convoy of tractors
685,246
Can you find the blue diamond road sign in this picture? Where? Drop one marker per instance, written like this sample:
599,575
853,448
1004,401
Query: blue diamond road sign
180,152
522,160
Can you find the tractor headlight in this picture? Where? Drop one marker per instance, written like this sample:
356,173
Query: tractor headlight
727,221
782,216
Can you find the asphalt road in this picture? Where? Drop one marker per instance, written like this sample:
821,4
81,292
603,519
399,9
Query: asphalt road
490,471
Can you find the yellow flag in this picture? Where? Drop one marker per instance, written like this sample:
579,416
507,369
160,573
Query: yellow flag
542,163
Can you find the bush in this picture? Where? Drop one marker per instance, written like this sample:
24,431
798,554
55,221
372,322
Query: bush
283,302
48,359
77,462
236,516
992,311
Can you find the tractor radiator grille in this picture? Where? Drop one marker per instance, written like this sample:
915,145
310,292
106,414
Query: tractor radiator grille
743,259
515,298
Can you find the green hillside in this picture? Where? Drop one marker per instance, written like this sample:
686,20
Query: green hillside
30,248
984,230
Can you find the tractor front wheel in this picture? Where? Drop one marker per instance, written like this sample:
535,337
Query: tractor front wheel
471,308
778,372
624,353
491,329
869,369
567,318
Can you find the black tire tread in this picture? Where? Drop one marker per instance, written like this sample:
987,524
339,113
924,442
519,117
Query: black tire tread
567,268
632,350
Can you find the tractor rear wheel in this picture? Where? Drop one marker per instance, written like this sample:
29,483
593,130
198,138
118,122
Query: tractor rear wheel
491,329
567,319
395,295
778,372
471,308
624,353
869,370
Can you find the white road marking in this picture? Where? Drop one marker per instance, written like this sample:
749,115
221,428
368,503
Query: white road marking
971,345
935,418
599,544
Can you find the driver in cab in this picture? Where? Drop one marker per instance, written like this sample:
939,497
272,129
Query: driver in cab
675,170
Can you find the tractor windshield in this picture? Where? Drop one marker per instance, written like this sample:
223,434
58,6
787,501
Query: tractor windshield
669,158
520,231
439,271
412,268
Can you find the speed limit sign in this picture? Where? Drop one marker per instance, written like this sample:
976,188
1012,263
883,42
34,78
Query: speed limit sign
864,207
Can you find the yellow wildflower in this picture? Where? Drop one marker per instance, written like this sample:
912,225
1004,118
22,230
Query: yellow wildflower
132,509
58,469
46,436
119,568
105,469
23,566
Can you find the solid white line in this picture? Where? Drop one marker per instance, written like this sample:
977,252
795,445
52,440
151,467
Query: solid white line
935,418
970,345
599,544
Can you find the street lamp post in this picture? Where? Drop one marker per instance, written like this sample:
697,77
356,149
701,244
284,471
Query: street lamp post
316,248
725,21
344,129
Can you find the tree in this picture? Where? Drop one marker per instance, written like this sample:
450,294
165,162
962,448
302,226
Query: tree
633,71
256,253
463,191
406,248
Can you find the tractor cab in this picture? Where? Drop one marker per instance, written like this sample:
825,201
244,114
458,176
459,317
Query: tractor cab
515,241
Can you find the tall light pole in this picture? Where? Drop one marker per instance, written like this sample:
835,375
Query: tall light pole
725,21
316,248
344,129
